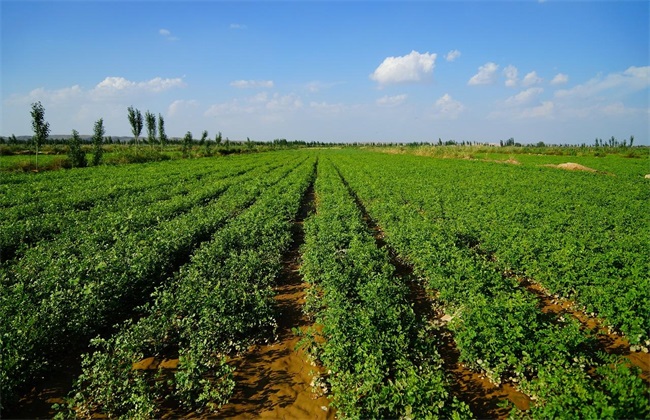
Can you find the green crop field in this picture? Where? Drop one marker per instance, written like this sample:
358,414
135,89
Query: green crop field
531,275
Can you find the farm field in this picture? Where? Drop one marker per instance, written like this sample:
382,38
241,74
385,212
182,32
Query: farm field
326,283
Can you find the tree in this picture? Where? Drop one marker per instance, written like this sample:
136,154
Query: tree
75,154
161,131
187,143
98,139
40,126
631,140
135,119
217,138
204,137
150,119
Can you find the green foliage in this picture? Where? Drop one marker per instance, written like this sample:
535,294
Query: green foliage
150,120
162,137
40,126
98,139
76,155
135,119
187,144
380,363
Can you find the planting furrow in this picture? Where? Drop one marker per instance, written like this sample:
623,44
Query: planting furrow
57,304
174,359
498,327
272,379
482,396
379,358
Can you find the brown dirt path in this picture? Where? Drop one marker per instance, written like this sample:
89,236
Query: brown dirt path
274,380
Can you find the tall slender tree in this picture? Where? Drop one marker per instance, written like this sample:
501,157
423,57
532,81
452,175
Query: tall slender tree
150,119
162,137
187,143
98,139
135,119
76,155
40,126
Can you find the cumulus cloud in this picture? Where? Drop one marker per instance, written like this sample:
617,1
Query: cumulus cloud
391,100
486,75
531,79
545,110
167,34
448,108
327,108
262,104
248,84
631,80
411,68
111,86
511,73
452,55
180,105
524,97
560,79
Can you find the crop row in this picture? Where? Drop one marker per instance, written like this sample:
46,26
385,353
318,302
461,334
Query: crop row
43,216
216,305
581,235
62,293
382,362
497,325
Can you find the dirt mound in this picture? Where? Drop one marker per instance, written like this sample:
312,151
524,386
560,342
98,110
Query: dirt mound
647,176
569,166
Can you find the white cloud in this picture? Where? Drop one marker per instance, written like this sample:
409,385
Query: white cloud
511,73
180,105
560,79
531,79
448,108
545,110
167,34
452,55
261,104
113,86
247,84
284,103
110,87
391,100
411,68
524,96
238,26
325,107
485,76
631,80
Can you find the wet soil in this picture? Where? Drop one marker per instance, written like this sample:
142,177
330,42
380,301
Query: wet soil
483,397
274,380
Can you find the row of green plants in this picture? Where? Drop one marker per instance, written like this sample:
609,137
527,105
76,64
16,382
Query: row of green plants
498,327
63,292
215,306
111,199
381,359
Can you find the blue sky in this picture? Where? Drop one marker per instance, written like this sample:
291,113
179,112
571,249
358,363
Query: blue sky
552,71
